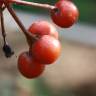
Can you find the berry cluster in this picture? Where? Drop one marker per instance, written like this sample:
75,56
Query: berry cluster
43,51
42,37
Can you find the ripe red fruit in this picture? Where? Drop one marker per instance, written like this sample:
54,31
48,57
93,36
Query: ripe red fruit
66,13
29,67
46,50
1,2
41,28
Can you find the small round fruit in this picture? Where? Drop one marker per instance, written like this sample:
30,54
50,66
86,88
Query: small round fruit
66,13
1,3
41,28
29,67
46,50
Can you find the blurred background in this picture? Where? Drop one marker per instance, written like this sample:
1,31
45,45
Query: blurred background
73,74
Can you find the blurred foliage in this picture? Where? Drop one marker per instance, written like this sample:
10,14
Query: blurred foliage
87,10
42,89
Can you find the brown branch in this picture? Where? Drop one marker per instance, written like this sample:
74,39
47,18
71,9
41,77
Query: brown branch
20,2
29,36
6,48
3,8
2,26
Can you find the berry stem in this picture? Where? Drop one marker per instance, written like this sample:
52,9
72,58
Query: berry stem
20,2
3,8
6,48
2,26
15,17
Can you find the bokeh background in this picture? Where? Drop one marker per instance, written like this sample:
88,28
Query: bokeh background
73,74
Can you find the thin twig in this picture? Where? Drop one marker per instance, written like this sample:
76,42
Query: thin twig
20,2
15,17
6,48
3,8
2,26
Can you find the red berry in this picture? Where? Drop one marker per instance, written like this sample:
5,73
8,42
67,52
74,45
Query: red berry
66,13
29,67
1,3
41,28
46,50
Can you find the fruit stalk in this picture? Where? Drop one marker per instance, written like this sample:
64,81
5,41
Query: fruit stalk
20,2
2,26
6,47
15,17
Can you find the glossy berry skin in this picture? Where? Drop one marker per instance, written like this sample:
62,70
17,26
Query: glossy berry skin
1,2
41,28
66,13
29,67
46,50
